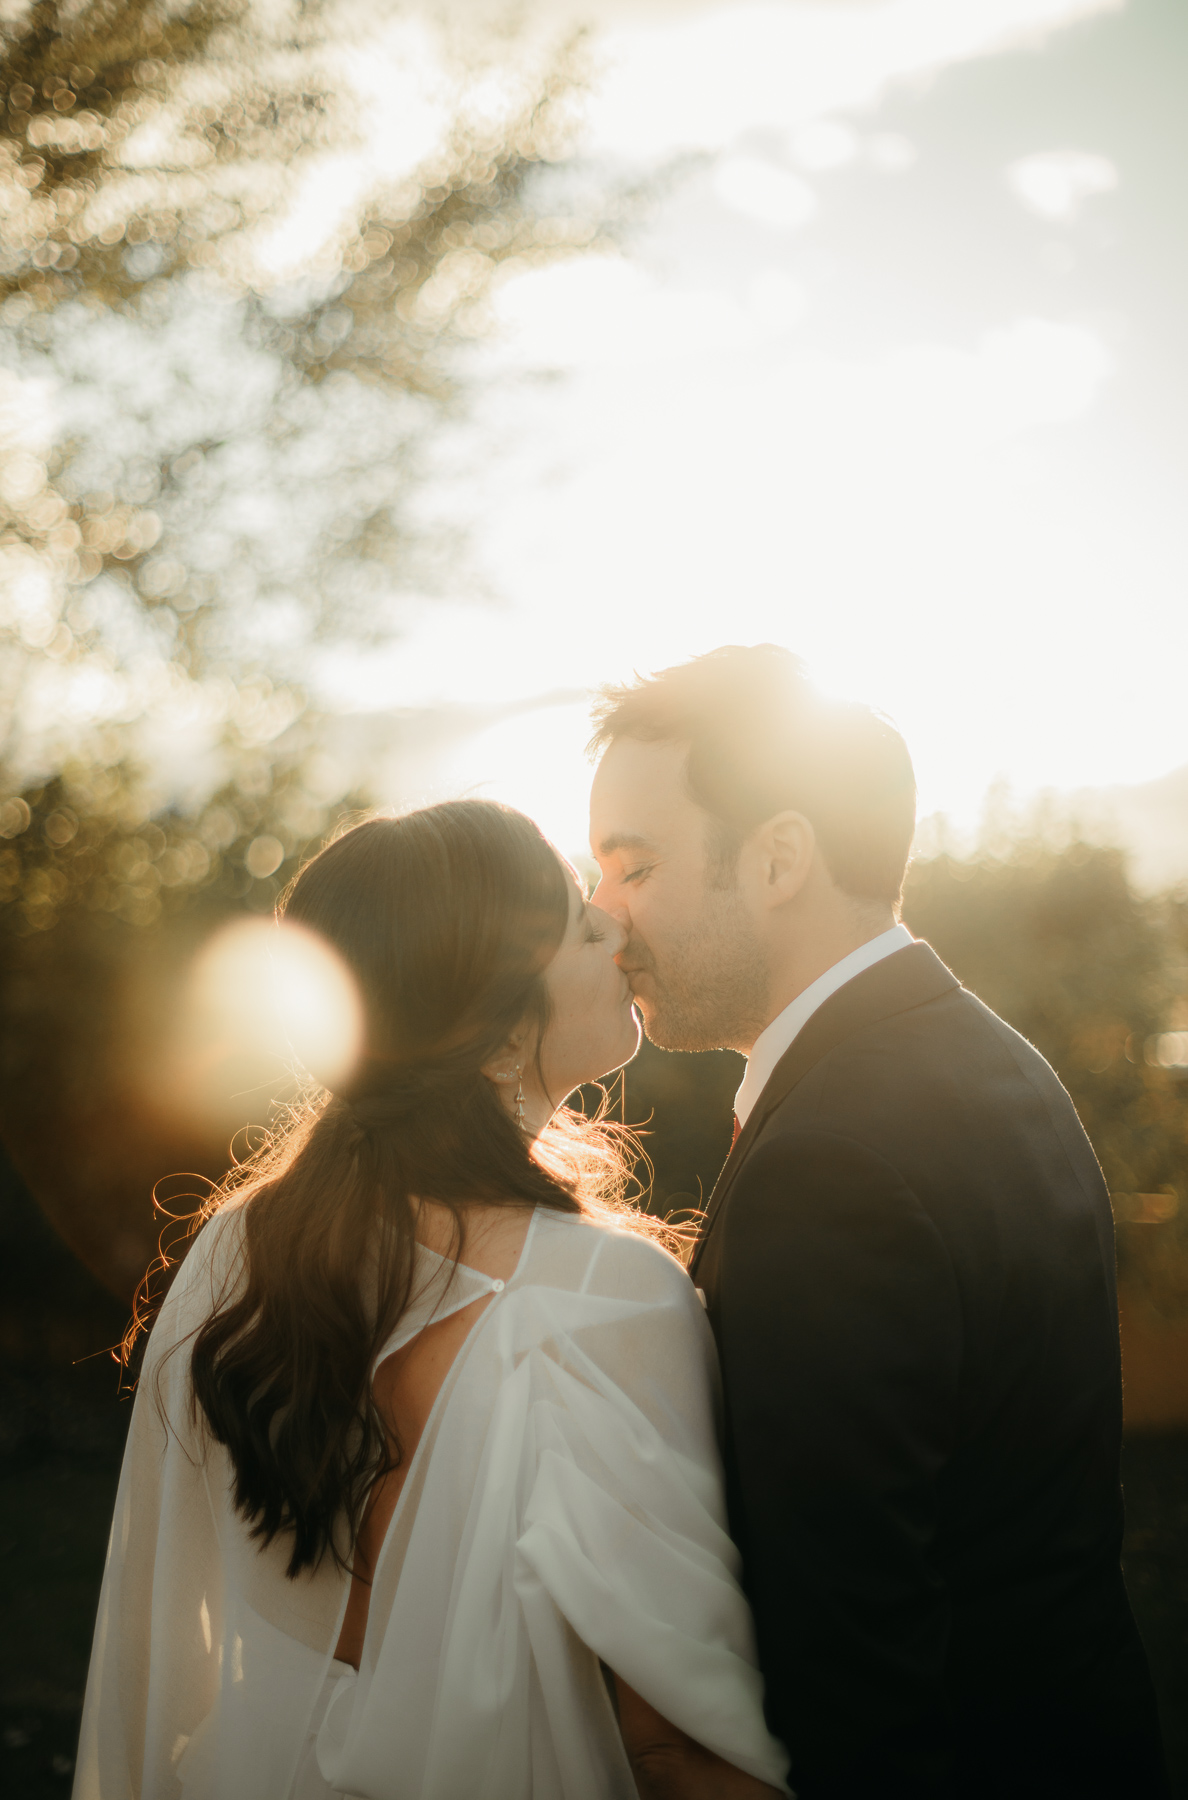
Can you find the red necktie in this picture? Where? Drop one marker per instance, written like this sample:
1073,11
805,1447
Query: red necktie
737,1130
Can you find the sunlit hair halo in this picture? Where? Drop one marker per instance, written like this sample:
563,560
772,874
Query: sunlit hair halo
447,918
761,739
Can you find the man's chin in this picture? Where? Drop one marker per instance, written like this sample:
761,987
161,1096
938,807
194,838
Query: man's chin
667,1033
645,1013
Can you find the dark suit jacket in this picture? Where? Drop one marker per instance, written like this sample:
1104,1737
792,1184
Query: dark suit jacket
908,1263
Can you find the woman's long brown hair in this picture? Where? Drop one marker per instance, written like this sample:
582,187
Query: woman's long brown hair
447,918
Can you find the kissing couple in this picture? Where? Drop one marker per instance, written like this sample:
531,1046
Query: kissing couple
448,1480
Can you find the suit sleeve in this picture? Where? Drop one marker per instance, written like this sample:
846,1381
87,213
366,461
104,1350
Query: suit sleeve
840,1330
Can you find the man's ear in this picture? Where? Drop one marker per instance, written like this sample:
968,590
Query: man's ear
785,848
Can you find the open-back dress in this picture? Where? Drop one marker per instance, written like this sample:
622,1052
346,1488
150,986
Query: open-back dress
563,1509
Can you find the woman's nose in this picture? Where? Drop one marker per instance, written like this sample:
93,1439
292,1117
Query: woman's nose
613,928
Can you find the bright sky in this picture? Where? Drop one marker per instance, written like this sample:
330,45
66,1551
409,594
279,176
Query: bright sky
885,377
891,371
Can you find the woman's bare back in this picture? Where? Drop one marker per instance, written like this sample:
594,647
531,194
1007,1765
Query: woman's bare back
408,1382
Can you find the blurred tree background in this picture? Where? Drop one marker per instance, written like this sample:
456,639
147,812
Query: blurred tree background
209,478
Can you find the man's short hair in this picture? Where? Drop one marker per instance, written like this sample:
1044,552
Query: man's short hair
763,740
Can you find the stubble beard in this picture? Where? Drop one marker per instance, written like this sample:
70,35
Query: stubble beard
712,991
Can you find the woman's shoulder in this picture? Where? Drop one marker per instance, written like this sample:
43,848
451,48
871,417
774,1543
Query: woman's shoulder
208,1275
609,1254
615,1301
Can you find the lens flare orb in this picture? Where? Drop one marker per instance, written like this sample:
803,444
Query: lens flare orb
264,1002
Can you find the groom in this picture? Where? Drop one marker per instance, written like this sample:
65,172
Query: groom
908,1263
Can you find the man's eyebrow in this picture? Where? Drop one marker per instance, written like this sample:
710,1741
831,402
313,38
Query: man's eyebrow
624,840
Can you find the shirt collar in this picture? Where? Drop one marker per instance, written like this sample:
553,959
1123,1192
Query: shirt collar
777,1037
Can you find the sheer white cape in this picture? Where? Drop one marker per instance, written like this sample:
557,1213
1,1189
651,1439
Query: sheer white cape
564,1505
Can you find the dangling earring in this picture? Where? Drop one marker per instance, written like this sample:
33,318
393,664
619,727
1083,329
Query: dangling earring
506,1075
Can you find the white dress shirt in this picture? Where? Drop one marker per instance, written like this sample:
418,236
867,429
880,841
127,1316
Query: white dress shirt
772,1042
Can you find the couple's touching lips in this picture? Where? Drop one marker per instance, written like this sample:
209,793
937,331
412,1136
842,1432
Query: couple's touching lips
635,976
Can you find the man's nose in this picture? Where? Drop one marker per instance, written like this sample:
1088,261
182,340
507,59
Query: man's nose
613,902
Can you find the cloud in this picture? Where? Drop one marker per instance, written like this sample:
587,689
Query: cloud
1057,183
759,190
699,82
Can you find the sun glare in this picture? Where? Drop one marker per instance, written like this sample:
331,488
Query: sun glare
263,1003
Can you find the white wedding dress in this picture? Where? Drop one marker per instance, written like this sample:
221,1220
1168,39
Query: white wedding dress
564,1506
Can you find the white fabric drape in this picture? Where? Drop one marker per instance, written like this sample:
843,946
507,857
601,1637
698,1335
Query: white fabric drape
564,1505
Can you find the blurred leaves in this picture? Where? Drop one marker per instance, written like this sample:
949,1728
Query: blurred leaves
207,455
83,846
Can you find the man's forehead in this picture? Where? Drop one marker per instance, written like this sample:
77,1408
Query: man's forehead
639,798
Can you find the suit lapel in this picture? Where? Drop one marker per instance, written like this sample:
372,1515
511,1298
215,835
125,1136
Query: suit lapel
907,978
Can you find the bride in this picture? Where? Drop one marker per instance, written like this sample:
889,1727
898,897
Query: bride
422,1498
